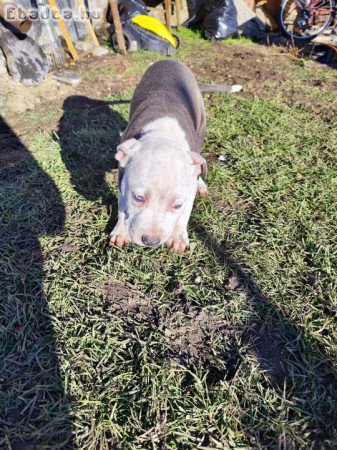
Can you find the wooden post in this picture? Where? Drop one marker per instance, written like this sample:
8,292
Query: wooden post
118,26
63,29
168,14
88,24
177,10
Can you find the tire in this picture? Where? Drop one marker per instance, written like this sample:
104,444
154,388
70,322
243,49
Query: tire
302,20
177,40
127,38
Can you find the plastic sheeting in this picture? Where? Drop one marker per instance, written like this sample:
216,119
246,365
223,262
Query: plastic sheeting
222,19
221,23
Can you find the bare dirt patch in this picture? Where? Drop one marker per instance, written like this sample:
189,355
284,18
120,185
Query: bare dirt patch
270,348
123,299
189,335
267,72
251,66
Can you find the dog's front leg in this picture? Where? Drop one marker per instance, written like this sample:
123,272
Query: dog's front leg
119,236
178,241
202,188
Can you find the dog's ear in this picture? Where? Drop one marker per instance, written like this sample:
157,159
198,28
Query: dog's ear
200,163
126,150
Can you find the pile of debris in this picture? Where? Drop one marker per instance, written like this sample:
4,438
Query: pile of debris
32,39
221,19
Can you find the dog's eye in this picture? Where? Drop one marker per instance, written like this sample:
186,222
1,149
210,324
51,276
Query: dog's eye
178,206
138,198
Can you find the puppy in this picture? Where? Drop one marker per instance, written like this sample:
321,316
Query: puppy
160,167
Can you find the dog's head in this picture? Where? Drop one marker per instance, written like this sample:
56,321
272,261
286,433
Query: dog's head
158,186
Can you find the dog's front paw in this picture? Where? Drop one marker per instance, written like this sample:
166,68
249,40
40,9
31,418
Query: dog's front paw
202,188
178,242
203,191
118,238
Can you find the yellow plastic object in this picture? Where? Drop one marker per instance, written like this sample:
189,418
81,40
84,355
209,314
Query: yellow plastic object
152,24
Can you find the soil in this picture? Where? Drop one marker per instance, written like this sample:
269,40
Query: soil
184,331
269,347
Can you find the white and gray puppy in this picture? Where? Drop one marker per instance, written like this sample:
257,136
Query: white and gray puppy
160,167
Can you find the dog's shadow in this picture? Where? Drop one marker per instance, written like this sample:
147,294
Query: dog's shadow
89,132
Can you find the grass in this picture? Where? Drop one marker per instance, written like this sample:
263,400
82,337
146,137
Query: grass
231,345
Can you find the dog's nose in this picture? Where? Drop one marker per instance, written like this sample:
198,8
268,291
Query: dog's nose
150,241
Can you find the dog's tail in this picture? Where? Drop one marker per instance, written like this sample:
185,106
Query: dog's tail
208,87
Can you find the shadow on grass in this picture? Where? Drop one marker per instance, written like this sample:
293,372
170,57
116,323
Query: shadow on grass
89,133
286,354
33,402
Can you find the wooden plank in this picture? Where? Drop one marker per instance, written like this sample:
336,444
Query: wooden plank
168,14
118,26
270,20
87,22
177,12
270,7
259,7
63,29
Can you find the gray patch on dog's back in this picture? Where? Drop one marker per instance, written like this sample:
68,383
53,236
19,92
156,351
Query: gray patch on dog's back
168,89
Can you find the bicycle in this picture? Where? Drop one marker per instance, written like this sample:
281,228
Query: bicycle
302,20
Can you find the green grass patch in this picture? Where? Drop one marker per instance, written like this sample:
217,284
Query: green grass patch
231,345
243,40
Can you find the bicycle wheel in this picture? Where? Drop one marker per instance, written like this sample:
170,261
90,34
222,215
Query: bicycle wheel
305,19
